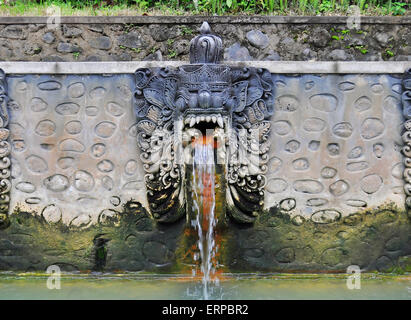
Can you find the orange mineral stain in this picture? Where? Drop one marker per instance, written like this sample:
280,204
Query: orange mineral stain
204,176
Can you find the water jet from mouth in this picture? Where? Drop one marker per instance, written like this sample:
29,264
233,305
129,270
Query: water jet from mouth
203,200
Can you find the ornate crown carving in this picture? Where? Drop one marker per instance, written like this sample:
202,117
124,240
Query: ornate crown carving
196,76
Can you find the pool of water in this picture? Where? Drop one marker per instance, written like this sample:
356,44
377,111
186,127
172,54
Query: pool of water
165,287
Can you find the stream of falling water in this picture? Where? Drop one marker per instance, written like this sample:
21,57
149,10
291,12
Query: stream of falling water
203,195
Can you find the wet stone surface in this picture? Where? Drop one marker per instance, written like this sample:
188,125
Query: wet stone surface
375,239
126,239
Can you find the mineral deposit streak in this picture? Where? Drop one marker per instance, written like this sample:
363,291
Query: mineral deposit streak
204,209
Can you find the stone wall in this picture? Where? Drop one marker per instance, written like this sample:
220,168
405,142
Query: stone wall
334,195
312,40
335,191
74,151
336,145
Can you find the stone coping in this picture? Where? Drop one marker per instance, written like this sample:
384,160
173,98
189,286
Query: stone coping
244,19
279,67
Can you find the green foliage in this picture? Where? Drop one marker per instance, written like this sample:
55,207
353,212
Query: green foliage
128,27
325,6
389,53
153,50
362,49
186,31
335,38
119,7
172,53
398,8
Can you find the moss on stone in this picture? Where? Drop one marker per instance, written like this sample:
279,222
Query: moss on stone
120,242
404,264
130,240
373,239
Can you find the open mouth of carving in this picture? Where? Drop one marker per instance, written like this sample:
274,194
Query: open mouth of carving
212,117
193,120
200,125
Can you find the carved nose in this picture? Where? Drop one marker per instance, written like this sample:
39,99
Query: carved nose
204,99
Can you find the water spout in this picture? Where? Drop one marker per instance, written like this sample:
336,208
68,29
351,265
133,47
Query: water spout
203,195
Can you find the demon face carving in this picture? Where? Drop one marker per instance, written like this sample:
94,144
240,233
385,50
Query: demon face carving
235,104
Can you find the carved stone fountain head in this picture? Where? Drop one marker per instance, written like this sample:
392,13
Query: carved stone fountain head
174,105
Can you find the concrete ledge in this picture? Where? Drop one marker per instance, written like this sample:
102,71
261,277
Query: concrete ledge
211,19
280,67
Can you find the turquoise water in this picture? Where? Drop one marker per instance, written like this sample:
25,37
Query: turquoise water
134,286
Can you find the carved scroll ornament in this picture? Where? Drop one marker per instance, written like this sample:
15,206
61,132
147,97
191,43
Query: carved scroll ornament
406,103
5,148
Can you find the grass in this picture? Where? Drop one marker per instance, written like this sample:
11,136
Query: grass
201,7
